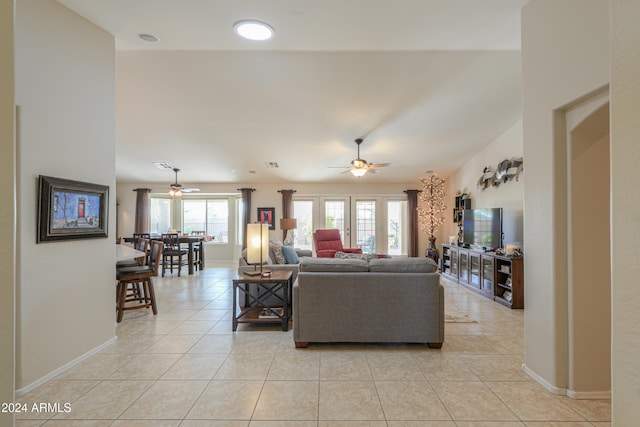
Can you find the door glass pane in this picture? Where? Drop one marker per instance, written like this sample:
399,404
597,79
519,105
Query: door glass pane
396,227
366,225
303,212
239,223
218,220
159,215
334,215
194,213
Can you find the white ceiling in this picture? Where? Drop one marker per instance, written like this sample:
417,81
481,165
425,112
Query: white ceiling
426,83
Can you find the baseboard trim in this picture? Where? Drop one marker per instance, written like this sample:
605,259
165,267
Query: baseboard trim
589,395
26,389
544,383
578,395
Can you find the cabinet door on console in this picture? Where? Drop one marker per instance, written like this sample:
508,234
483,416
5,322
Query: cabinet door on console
463,261
474,269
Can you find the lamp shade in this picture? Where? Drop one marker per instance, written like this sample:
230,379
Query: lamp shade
288,224
257,243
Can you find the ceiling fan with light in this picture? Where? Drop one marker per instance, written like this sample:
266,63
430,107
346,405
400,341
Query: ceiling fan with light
359,166
176,190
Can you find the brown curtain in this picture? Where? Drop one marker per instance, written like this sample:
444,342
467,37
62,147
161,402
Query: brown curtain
246,209
142,211
287,206
412,226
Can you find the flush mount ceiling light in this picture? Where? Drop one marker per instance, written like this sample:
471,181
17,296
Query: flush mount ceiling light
149,38
253,30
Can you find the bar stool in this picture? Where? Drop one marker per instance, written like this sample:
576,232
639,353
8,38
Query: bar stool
135,283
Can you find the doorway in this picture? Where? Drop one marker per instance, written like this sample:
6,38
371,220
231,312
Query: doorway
588,250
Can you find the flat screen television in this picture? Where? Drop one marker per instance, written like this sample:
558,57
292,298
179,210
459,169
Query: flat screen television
482,228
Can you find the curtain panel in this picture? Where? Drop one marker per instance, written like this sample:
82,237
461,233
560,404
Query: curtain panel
141,224
412,226
246,209
287,206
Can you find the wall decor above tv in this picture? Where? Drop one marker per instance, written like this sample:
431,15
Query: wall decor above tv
507,170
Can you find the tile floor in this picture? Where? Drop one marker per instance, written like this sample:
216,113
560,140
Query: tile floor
184,367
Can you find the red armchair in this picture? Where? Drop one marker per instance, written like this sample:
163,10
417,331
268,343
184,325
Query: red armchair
327,242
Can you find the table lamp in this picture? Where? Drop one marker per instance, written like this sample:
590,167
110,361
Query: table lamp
288,224
258,247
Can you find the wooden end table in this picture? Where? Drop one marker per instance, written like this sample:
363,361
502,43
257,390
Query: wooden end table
266,286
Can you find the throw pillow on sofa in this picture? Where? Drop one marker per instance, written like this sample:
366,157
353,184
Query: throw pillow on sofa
290,255
344,255
276,248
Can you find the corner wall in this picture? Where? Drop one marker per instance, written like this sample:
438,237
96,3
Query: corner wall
65,89
7,209
565,54
625,211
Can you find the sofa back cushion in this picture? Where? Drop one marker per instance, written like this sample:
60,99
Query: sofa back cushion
403,265
333,265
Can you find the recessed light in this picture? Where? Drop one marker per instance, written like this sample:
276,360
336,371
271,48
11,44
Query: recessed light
253,30
149,38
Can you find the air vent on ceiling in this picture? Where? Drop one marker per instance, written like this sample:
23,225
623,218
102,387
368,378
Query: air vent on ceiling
162,165
271,165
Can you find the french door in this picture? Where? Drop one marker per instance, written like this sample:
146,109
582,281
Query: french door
373,223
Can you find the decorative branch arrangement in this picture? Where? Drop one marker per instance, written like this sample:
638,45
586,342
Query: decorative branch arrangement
429,215
507,170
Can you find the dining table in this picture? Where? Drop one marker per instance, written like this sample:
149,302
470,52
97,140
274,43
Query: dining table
185,239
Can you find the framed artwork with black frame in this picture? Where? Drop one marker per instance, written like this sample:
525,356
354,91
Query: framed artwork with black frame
267,215
70,210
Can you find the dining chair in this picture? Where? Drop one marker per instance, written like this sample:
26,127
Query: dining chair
138,236
172,253
197,249
135,283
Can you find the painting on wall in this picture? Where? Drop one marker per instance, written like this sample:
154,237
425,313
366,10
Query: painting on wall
267,215
71,210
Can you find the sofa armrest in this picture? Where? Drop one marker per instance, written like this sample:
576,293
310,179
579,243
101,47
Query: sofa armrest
304,252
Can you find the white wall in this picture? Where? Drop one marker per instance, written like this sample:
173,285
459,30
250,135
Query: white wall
266,195
625,211
508,196
65,89
7,210
565,54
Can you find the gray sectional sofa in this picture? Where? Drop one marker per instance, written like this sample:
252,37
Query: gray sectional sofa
390,300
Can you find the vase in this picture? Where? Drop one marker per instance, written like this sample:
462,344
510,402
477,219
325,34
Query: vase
432,251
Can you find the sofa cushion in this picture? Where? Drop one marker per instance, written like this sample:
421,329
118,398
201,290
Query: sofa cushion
275,248
333,265
345,255
403,265
290,255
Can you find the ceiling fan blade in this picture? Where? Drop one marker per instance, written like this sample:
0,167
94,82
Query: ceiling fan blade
190,190
379,165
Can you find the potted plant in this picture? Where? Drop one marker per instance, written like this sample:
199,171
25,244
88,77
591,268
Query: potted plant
430,212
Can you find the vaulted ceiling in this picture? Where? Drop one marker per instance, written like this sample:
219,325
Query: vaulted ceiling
426,83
